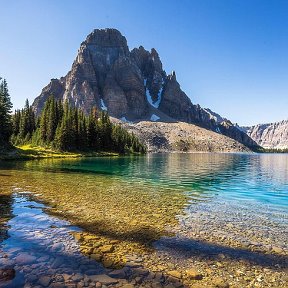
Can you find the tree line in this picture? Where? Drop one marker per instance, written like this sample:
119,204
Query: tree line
64,128
272,150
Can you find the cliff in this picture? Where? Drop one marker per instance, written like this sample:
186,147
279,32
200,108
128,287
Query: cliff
270,136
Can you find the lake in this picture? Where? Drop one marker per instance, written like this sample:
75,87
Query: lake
184,207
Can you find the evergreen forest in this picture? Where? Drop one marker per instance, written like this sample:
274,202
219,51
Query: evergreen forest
63,127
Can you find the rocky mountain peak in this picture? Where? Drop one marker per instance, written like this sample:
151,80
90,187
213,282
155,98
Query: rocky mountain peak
130,85
172,76
106,38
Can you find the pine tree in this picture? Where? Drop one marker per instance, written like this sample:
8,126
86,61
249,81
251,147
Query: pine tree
52,119
92,130
16,122
5,113
105,129
65,137
43,122
27,123
82,132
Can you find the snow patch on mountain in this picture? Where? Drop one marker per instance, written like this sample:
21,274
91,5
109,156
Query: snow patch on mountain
103,106
154,117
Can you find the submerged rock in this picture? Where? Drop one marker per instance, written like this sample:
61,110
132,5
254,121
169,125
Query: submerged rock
7,274
44,281
175,274
103,279
220,283
194,274
107,249
25,258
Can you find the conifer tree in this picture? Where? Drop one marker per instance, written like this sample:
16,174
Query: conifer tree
92,130
27,123
43,122
5,113
16,118
52,119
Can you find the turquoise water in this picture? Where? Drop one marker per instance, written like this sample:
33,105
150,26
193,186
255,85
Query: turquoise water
257,178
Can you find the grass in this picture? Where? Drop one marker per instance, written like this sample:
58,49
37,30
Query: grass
29,152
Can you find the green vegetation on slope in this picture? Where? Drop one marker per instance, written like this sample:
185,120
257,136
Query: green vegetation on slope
64,128
60,130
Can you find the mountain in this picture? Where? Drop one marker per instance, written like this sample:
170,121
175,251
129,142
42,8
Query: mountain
270,136
130,85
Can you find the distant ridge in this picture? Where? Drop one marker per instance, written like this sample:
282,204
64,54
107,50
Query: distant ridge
130,85
270,136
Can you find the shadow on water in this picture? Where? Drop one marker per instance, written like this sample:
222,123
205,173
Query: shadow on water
27,245
186,247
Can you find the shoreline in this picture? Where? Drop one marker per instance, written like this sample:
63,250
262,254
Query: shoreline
28,152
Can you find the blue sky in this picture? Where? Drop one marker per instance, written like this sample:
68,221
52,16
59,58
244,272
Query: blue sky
230,56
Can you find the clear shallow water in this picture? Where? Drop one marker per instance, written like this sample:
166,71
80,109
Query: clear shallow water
247,180
247,191
258,178
39,247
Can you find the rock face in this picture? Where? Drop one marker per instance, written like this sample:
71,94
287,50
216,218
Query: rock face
182,137
130,85
273,135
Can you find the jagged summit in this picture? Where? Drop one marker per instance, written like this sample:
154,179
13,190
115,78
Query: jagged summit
130,85
107,37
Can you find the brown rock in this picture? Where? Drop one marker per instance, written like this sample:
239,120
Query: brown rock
220,283
78,236
25,258
277,249
7,274
174,273
156,285
121,273
103,279
128,286
96,257
107,263
194,274
98,285
44,281
107,249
